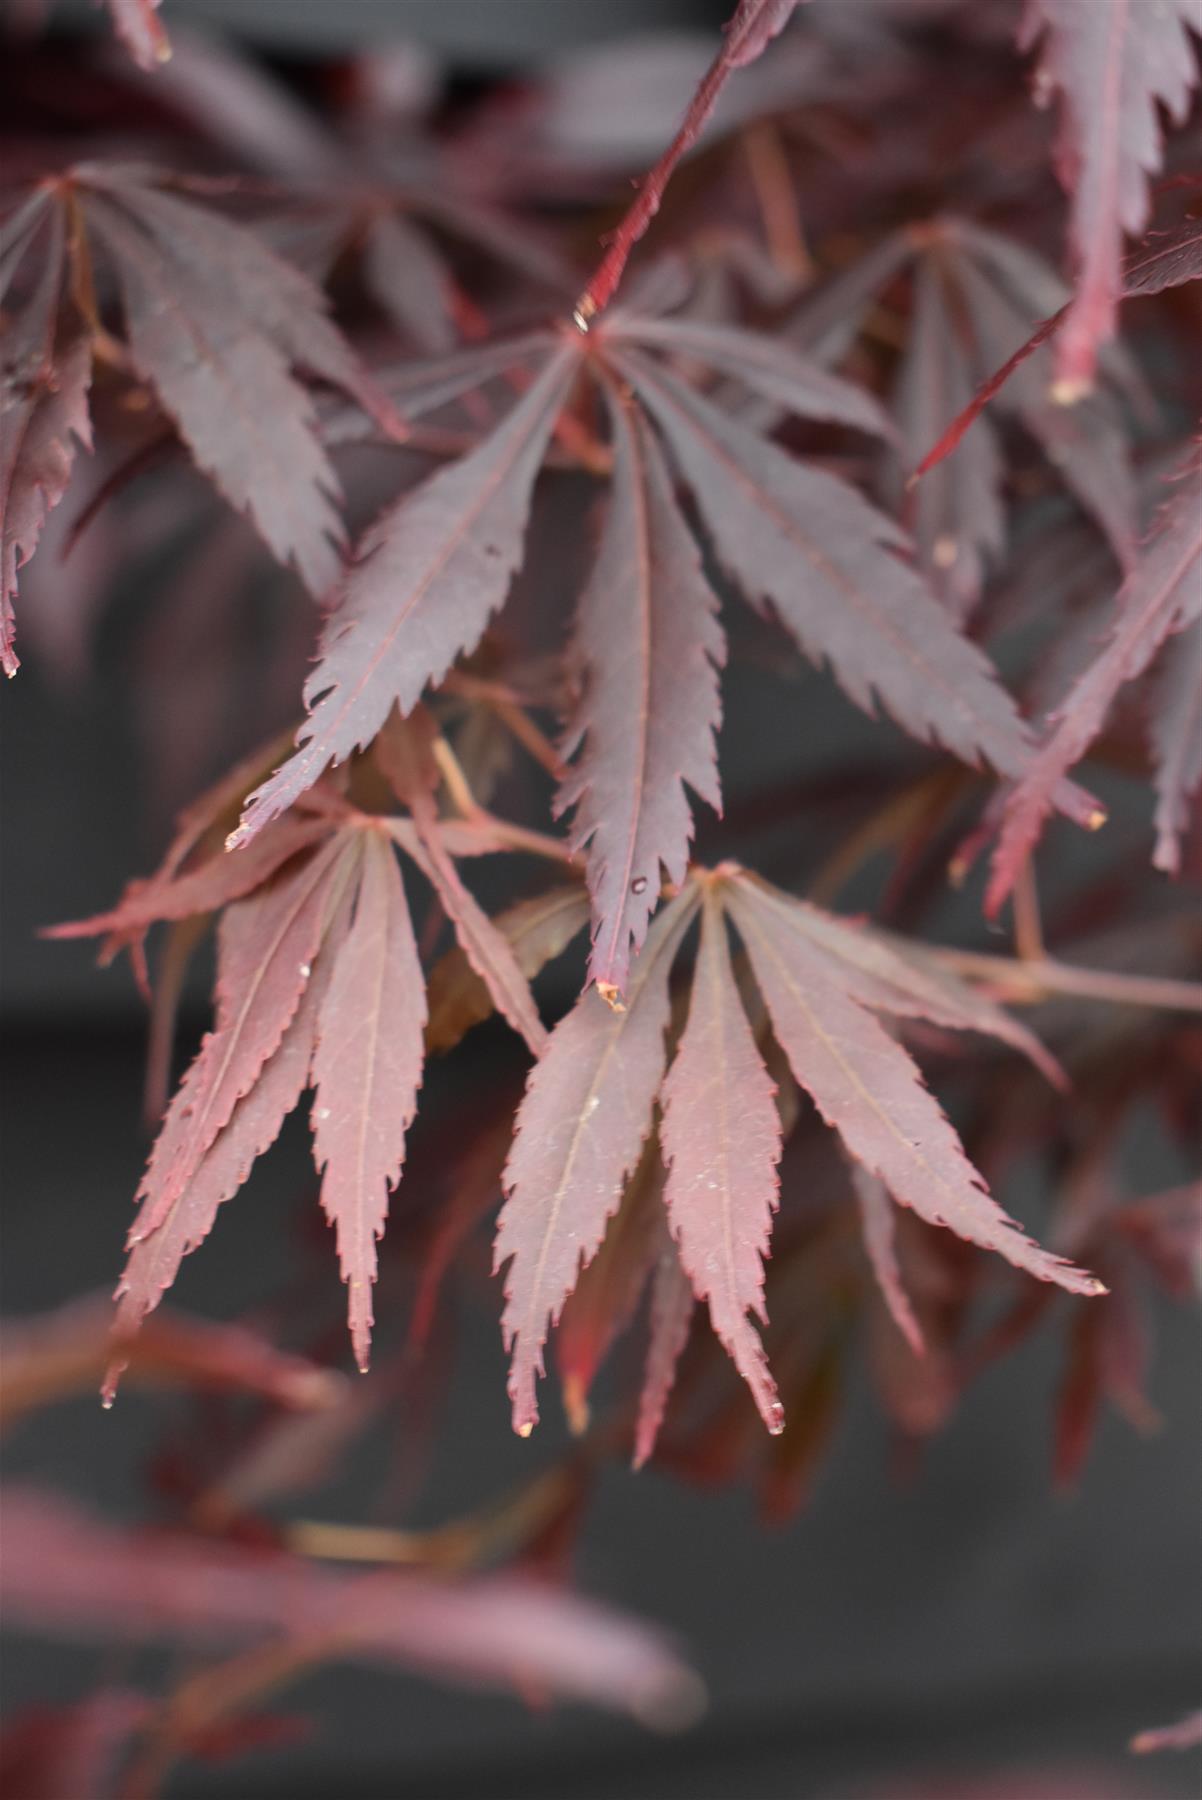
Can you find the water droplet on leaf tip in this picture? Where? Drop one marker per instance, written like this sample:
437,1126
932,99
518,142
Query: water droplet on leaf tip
306,969
639,885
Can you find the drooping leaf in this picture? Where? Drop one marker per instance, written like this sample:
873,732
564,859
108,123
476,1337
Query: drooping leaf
1176,731
367,1068
867,1088
1162,596
649,643
537,931
672,1303
43,402
722,1141
828,564
427,578
579,1133
1111,61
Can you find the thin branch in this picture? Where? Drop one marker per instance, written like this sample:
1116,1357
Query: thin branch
745,36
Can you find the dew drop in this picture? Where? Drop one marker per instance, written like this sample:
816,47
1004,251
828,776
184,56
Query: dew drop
639,885
306,970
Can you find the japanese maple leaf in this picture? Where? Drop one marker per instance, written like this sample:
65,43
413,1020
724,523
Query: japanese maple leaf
589,1104
1112,62
1161,598
435,567
975,293
318,985
216,324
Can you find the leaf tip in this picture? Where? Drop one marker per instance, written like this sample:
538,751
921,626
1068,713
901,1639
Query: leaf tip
612,996
1070,390
525,1428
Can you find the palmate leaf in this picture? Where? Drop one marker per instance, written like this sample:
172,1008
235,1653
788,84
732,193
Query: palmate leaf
318,984
650,644
590,1102
975,293
216,324
436,565
1111,61
43,401
1161,597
